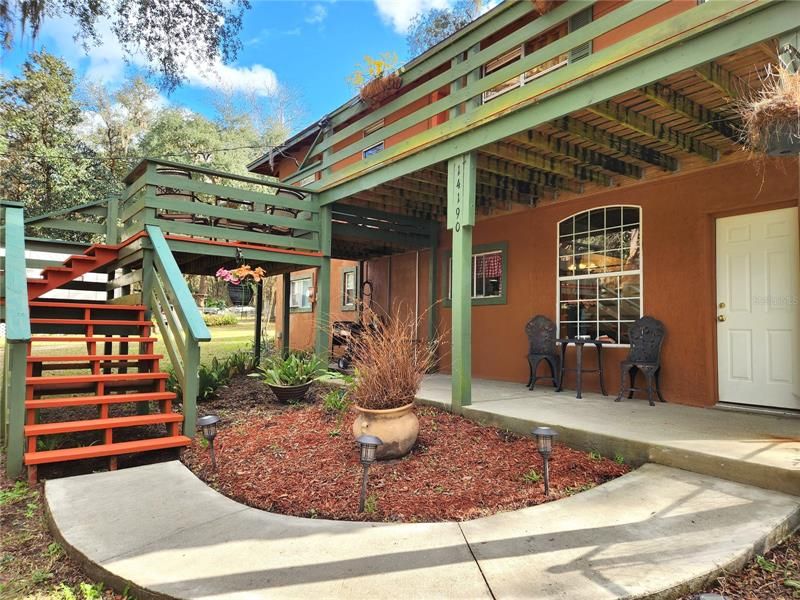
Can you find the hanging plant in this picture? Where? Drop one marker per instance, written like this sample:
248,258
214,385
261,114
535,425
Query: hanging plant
377,80
242,282
771,117
543,6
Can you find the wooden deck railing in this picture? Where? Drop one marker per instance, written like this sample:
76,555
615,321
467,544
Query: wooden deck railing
204,203
14,293
477,72
178,320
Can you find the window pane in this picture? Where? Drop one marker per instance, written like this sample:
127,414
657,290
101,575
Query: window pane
608,287
597,220
569,290
566,246
609,329
582,222
629,309
613,217
587,289
566,227
630,286
623,332
608,310
630,216
613,261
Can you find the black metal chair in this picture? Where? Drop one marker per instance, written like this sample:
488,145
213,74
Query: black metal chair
646,338
542,336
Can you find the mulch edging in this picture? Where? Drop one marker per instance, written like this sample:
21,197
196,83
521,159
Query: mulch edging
304,462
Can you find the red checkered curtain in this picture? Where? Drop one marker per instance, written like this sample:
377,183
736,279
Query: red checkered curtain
493,266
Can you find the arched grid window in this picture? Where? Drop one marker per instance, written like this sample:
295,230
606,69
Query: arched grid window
600,273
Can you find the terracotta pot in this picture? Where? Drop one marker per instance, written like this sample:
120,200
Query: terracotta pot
287,393
396,427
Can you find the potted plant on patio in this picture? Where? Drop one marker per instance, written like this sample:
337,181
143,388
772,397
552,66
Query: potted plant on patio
771,117
389,365
290,377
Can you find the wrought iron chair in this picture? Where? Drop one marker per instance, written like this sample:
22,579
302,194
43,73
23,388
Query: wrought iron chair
542,335
646,336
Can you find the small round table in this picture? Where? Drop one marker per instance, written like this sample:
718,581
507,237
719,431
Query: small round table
579,343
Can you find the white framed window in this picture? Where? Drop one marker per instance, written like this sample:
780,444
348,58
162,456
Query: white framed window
600,273
488,276
349,285
300,294
374,149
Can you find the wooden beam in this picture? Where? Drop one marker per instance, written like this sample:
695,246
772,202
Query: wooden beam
601,137
506,168
712,120
585,156
654,129
556,166
725,82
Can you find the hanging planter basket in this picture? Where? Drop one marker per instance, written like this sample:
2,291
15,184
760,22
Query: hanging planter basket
543,6
241,294
771,119
379,89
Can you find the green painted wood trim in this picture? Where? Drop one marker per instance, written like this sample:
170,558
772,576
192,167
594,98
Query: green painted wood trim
301,174
696,36
285,320
11,203
112,216
322,309
3,390
250,255
342,282
17,353
205,209
476,87
65,225
191,388
232,235
167,334
130,209
150,164
15,289
173,278
77,208
481,248
227,192
342,230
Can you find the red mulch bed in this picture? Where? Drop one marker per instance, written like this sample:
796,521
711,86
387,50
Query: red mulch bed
304,462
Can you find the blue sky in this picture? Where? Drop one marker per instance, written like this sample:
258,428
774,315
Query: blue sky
307,48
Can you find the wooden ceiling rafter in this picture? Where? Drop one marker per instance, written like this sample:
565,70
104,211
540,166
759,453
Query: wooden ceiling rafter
505,168
587,157
606,139
632,119
518,191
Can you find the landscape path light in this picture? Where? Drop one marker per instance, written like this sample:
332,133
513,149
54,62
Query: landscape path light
209,426
368,445
544,443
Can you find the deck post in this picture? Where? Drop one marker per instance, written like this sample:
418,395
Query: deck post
433,264
112,215
323,286
285,320
259,316
461,179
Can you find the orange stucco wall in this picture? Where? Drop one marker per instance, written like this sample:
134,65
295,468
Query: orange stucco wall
678,216
302,328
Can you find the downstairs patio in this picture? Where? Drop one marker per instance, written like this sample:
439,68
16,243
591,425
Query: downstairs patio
746,447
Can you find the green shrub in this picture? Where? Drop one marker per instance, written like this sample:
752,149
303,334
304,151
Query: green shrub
220,320
295,369
336,402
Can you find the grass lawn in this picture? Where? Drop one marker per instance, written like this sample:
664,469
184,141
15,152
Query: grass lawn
224,340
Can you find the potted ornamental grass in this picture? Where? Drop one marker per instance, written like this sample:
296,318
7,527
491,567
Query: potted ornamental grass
389,364
771,116
289,377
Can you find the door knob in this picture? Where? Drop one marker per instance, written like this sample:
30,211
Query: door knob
721,318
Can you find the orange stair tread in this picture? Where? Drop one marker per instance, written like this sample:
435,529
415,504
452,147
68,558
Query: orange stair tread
91,378
50,456
97,339
119,322
92,305
94,357
109,423
101,399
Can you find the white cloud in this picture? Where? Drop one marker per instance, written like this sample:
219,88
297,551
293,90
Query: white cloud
317,15
256,79
398,13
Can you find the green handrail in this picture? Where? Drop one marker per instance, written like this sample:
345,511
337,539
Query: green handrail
179,321
18,333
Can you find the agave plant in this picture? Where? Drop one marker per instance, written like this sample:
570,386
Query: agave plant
294,369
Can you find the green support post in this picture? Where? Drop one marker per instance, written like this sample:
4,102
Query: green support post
285,320
259,316
461,179
112,215
191,387
323,286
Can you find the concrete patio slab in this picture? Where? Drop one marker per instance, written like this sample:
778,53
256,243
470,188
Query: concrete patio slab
161,532
756,449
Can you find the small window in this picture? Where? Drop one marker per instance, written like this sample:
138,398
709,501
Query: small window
349,285
488,277
372,150
300,294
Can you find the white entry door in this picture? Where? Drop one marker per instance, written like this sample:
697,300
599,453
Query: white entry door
758,307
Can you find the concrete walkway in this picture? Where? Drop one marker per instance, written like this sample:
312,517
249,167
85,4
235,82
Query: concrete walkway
756,449
654,533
